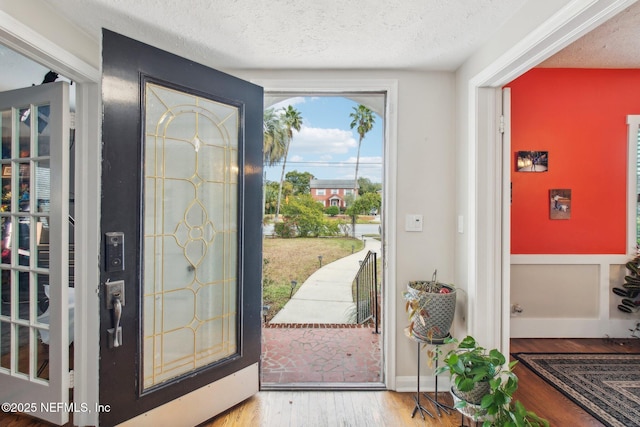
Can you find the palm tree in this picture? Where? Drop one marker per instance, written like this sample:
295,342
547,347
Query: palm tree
362,119
275,138
291,119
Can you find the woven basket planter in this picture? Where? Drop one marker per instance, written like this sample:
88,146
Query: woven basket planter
471,410
433,319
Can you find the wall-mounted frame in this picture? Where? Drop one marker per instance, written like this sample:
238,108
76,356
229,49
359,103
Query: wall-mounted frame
560,204
532,161
6,171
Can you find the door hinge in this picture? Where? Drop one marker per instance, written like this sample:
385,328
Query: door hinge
501,126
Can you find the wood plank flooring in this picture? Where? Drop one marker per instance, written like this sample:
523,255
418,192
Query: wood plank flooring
387,408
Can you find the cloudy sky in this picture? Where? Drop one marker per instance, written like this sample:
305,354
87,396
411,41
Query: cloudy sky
326,146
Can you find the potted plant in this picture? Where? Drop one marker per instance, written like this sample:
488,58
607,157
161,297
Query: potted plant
471,367
483,386
430,306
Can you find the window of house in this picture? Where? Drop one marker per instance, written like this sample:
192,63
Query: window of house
335,191
348,191
320,192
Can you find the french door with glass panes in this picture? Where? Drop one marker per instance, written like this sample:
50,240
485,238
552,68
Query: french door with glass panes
35,312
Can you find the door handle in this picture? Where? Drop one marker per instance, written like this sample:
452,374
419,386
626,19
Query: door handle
115,301
116,332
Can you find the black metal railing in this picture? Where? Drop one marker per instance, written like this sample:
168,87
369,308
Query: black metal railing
365,290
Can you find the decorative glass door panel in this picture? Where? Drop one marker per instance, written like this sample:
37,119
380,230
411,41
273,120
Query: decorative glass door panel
190,263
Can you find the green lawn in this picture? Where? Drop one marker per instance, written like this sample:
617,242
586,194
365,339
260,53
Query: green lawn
296,259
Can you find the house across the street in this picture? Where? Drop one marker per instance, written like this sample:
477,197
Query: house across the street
331,192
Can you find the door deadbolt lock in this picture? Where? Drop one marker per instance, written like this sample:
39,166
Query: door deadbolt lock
114,251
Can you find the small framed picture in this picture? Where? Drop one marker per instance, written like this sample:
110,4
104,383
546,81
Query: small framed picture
560,204
532,161
6,171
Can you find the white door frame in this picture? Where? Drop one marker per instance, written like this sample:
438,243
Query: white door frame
485,267
24,40
390,87
633,124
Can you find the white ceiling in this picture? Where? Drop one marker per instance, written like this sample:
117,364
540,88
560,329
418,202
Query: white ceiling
325,34
303,34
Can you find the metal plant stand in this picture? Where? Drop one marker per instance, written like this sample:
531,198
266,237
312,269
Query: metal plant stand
438,405
416,398
434,399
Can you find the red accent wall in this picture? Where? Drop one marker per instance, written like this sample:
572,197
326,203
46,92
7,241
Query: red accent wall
579,117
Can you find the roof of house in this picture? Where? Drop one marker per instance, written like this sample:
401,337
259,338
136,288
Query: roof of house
331,183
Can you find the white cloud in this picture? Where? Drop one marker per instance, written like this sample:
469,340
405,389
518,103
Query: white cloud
322,141
374,160
296,158
289,101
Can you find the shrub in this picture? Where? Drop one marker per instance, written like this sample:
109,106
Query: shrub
285,229
332,210
306,214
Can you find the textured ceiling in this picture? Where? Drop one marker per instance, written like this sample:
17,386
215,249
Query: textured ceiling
303,34
325,34
615,44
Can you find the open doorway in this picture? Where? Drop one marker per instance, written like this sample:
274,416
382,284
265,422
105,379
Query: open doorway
322,278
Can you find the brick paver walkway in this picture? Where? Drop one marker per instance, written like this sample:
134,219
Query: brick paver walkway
320,353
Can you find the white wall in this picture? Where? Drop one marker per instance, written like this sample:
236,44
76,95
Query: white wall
568,296
38,15
424,181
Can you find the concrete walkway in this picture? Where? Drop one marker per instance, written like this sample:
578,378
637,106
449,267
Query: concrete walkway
325,297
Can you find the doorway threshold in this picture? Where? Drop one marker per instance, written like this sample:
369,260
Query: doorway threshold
323,387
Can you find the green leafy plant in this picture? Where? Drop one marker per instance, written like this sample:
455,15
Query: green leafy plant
332,210
470,364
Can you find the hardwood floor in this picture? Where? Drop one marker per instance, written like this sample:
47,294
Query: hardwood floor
387,408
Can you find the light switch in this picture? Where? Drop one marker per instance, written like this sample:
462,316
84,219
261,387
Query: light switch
413,222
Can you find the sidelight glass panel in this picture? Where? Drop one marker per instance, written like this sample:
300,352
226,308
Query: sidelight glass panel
190,209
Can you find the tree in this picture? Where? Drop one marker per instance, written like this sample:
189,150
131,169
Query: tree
275,138
366,186
365,204
271,195
363,120
300,181
291,120
307,216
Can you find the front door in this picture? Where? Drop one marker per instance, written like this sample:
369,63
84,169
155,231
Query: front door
34,316
181,233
